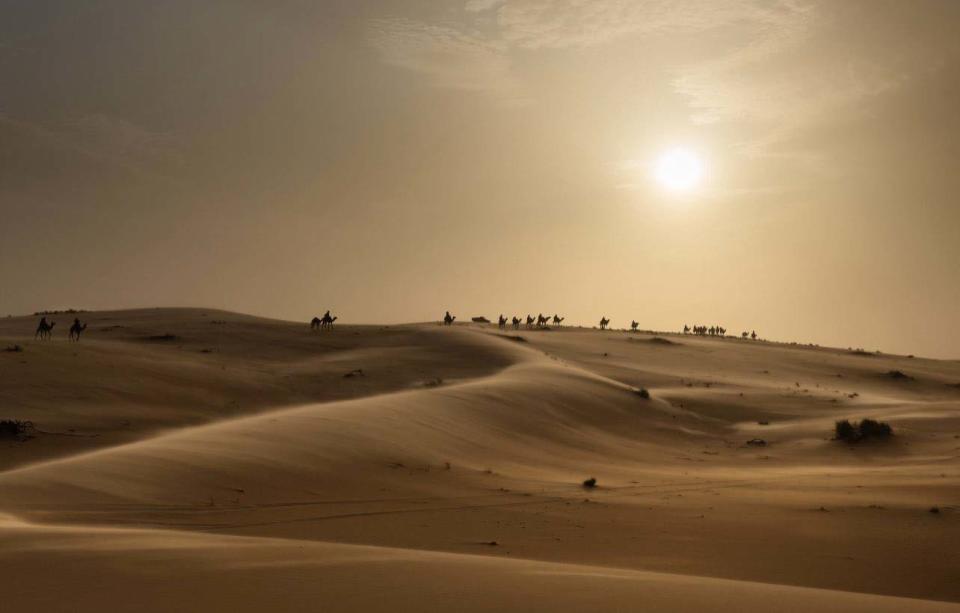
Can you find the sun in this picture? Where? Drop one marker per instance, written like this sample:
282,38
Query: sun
678,170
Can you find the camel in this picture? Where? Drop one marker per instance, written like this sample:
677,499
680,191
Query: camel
686,329
502,322
516,323
327,321
529,320
744,334
76,329
633,326
448,319
315,323
542,320
44,329
604,322
557,320
753,335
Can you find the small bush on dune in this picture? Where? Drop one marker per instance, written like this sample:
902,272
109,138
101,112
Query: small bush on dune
14,428
870,428
590,483
845,431
643,393
849,432
159,338
899,375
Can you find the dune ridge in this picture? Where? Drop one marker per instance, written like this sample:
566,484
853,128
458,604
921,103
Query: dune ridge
464,453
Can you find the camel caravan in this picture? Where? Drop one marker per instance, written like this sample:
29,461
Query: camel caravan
715,331
705,331
323,323
45,329
541,321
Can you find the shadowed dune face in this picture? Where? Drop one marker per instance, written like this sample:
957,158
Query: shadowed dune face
451,439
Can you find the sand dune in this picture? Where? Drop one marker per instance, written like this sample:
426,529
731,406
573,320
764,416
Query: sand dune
251,461
88,569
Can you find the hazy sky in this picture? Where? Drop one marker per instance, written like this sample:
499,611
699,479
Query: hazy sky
390,160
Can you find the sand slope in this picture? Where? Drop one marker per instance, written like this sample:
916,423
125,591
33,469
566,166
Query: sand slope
243,458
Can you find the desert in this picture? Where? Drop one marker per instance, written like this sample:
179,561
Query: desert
188,459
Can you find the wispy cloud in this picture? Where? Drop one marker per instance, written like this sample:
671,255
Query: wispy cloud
579,23
448,56
774,68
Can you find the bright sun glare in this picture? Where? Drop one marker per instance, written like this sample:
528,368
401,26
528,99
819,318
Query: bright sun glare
678,170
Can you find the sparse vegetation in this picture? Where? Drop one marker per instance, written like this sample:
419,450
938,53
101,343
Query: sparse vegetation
898,375
590,483
14,349
845,431
757,442
160,338
15,429
63,312
643,393
866,429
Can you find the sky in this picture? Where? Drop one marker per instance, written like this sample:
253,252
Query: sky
393,159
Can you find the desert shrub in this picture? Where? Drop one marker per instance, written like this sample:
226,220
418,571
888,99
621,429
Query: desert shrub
14,428
899,375
591,482
643,393
159,338
870,428
844,430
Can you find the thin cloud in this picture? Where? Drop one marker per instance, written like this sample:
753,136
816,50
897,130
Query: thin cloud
449,57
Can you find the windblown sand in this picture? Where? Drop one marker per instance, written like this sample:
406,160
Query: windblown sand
196,460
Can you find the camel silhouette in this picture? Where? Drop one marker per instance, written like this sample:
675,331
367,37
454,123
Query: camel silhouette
315,323
529,320
501,322
44,329
327,321
604,322
448,319
542,320
557,320
633,325
753,335
516,322
76,329
686,329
